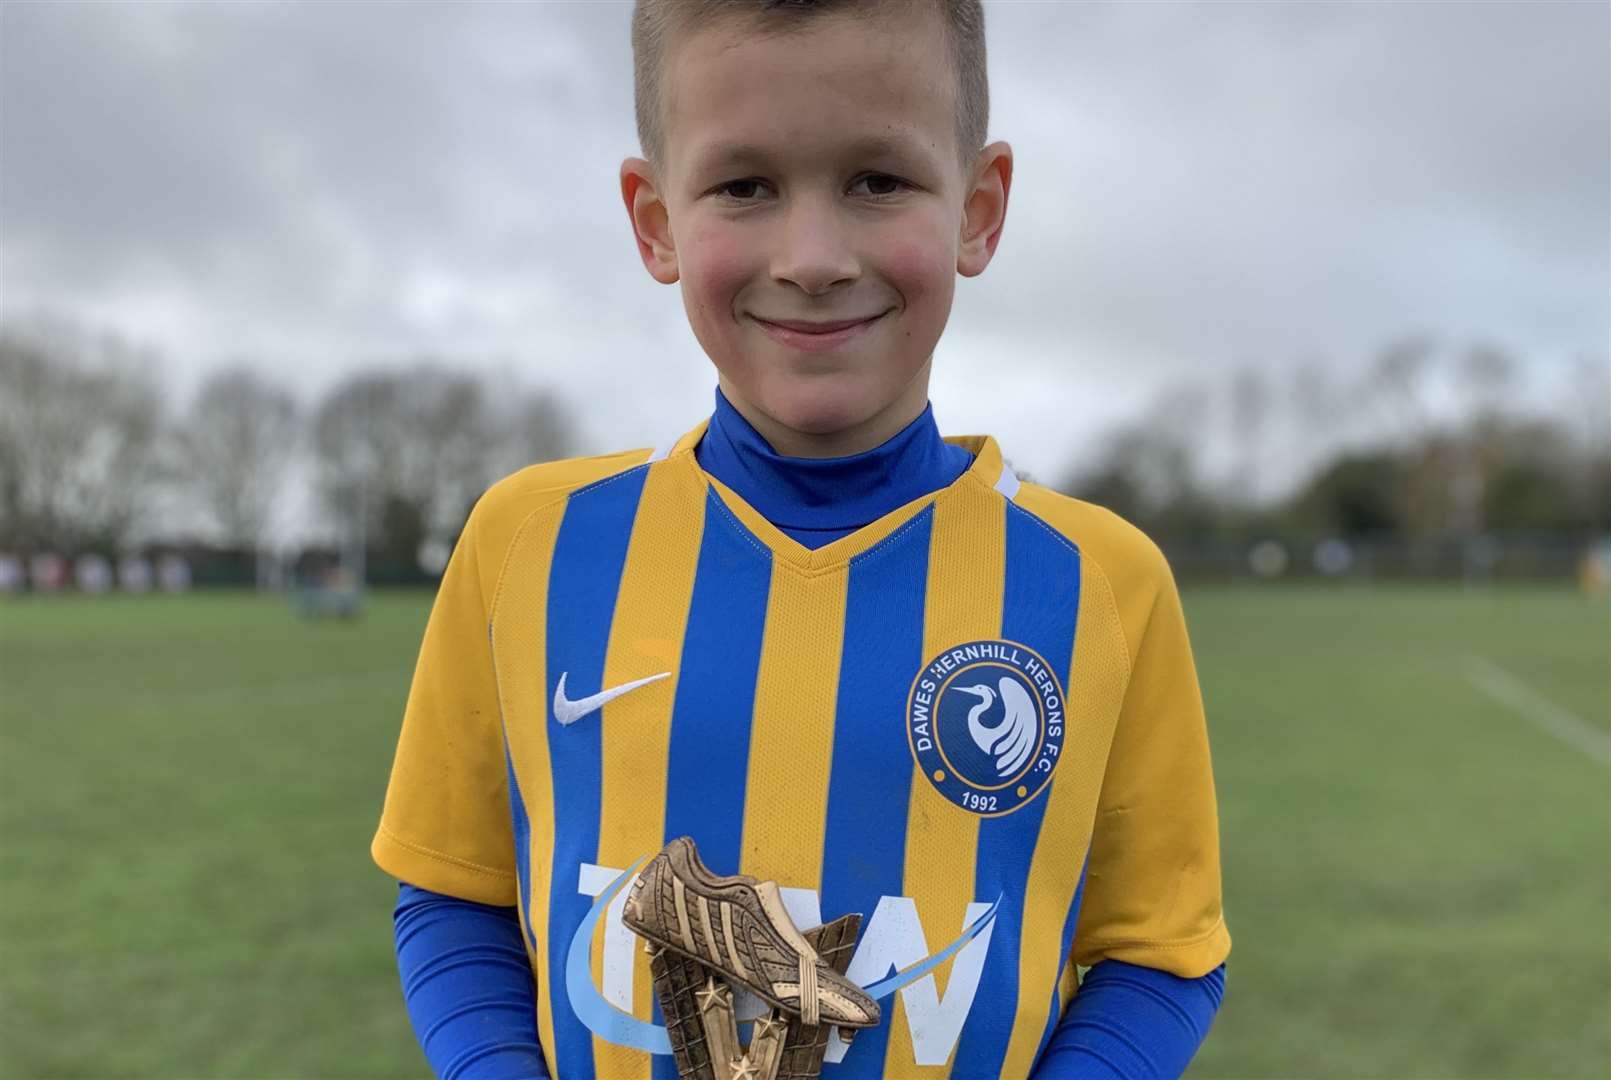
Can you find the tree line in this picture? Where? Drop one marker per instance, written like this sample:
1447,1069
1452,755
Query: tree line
1421,444
93,458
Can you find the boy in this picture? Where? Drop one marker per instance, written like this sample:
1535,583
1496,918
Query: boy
837,651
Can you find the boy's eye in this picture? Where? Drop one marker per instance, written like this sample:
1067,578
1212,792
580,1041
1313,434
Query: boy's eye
879,185
742,190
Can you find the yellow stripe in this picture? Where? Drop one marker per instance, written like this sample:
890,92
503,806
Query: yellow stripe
646,636
967,560
520,630
1095,694
791,738
1067,985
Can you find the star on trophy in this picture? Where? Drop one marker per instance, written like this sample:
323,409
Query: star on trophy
707,934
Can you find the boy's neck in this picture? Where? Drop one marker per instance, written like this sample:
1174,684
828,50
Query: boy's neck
872,432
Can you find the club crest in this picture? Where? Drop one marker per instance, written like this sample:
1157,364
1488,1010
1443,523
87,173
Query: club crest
985,724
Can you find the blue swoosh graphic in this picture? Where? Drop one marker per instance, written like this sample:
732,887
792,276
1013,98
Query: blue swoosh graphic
885,987
614,1025
601,1017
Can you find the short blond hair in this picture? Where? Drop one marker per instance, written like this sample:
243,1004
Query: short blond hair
656,23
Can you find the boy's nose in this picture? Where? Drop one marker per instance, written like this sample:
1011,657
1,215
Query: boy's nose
814,250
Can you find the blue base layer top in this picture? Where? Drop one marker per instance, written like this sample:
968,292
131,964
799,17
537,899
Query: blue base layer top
1132,1023
468,987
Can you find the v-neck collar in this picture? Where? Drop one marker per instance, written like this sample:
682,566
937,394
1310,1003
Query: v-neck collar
986,472
819,499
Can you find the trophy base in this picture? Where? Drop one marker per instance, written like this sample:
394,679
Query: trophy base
698,1010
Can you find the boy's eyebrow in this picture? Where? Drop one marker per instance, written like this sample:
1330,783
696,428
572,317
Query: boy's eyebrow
723,154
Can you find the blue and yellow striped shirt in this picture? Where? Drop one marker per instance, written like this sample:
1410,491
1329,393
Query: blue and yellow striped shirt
977,712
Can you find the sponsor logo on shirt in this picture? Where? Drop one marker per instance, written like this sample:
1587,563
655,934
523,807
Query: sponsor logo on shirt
892,954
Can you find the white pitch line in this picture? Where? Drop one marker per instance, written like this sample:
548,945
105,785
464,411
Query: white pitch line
1506,689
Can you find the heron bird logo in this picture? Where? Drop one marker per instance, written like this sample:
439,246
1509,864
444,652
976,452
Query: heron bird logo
1011,739
984,722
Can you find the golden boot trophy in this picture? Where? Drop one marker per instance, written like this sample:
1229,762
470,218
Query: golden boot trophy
707,934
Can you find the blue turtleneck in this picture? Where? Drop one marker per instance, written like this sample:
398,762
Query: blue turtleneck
818,500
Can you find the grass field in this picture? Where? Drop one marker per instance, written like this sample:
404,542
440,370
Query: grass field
1417,875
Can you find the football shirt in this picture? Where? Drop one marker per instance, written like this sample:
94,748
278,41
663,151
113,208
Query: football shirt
975,721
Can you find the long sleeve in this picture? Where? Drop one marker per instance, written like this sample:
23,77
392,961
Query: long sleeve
468,987
1132,1023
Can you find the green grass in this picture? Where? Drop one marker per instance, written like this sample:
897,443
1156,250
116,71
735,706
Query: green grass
188,791
1418,880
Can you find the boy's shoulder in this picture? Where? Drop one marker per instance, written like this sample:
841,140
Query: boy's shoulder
1124,556
505,506
1126,560
1118,546
1118,556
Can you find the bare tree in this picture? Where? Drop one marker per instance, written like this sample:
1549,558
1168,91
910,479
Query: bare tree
537,427
80,417
1588,403
456,445
409,449
1487,374
1587,418
234,446
1396,387
1148,472
1249,414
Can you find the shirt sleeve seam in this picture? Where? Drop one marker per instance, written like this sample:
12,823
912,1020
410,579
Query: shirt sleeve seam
442,856
490,607
1086,559
1112,603
507,555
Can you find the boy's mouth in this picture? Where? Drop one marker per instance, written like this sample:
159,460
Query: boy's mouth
815,336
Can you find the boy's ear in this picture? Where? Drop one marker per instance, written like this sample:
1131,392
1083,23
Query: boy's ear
651,221
984,210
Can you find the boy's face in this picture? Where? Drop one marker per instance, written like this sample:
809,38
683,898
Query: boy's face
813,178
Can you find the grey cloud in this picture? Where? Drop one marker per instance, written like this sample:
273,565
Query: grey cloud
1262,180
1198,186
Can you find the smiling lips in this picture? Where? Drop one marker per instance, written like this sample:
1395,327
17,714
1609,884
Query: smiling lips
815,336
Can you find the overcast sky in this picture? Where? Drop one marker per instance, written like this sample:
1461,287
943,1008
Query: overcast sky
1197,187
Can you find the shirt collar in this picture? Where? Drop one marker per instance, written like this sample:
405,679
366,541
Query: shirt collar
828,493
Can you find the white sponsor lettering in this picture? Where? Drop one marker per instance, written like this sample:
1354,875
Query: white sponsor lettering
618,939
891,940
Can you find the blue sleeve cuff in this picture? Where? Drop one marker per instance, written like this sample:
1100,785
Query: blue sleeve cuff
1132,1023
468,987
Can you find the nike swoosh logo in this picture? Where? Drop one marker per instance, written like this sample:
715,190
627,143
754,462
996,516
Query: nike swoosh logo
567,711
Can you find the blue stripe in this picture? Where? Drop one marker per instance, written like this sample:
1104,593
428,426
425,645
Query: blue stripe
522,830
1053,1013
1039,607
583,582
708,762
869,786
